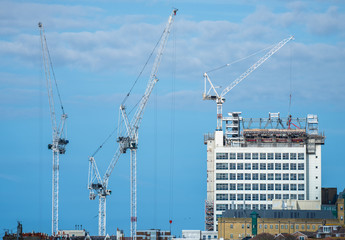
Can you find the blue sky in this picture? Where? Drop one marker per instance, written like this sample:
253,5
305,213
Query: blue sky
99,47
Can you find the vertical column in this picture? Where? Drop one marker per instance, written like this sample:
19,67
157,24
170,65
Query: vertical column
55,191
133,167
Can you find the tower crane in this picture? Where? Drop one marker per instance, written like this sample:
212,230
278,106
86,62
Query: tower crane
59,131
127,140
220,98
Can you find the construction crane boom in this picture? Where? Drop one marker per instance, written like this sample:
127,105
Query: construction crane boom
127,140
59,140
219,98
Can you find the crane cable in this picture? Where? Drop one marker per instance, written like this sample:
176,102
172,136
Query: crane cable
241,59
142,70
127,95
52,69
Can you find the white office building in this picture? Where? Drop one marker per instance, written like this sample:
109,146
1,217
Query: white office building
254,161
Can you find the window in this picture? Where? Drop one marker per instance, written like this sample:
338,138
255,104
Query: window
263,156
278,156
222,186
255,176
247,176
301,156
262,186
232,176
248,197
221,166
308,226
262,166
286,187
232,186
291,226
262,176
301,166
231,225
221,207
297,226
265,226
232,155
248,166
239,155
239,166
255,166
282,226
285,176
300,188
278,176
293,196
270,156
255,197
222,176
255,186
286,156
293,166
293,156
247,156
248,226
300,196
300,176
232,236
269,206
221,155
240,197
278,196
232,197
285,166
239,176
293,176
278,166
262,206
270,196
278,187
222,197
255,206
270,176
276,226
232,166
285,196
270,187
270,166
263,197
239,186
271,226
293,187
248,186
313,227
255,156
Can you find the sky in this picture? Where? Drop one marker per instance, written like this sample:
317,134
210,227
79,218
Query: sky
98,49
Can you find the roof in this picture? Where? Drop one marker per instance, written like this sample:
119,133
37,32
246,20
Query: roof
314,214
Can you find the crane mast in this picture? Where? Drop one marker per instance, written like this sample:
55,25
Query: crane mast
219,98
58,136
127,140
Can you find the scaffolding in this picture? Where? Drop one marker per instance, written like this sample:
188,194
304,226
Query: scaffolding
209,219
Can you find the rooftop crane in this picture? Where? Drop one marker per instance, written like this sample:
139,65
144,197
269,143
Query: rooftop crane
219,98
59,131
127,140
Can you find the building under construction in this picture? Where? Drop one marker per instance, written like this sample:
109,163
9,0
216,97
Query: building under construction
252,161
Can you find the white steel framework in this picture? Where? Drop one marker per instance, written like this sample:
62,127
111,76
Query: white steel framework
220,98
128,139
58,136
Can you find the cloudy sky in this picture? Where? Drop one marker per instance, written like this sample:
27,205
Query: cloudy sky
98,49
